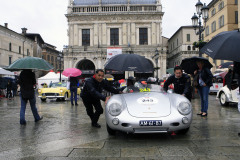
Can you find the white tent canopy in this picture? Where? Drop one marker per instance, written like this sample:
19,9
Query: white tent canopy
5,72
62,76
50,77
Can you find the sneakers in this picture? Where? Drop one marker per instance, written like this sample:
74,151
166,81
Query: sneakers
96,125
76,104
39,119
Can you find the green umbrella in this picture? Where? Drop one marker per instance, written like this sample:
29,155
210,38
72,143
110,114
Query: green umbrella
34,63
170,70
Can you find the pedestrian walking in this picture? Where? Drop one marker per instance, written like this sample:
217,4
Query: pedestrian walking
92,94
181,82
14,88
73,89
9,89
203,83
27,81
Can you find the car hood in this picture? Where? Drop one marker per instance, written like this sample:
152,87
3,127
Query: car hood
52,90
148,105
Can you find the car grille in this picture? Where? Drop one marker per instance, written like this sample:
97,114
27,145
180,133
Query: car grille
150,130
51,94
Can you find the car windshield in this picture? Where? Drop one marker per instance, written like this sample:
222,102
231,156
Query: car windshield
55,85
139,87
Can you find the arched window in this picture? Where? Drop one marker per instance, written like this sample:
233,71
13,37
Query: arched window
189,48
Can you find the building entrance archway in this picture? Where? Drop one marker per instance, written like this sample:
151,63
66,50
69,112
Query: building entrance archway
87,67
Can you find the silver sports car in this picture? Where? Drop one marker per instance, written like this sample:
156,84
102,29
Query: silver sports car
148,109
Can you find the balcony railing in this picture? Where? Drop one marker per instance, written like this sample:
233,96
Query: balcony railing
93,9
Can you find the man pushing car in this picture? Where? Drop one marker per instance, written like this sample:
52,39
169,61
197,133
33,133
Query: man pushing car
92,94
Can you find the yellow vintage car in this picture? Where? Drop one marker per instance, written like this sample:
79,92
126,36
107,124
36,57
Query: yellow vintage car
57,90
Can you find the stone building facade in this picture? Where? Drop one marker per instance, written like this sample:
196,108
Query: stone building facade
134,26
13,46
223,16
180,46
50,54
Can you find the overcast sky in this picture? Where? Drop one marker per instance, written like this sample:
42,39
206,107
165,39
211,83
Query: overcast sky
47,17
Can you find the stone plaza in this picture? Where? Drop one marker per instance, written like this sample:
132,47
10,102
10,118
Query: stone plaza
65,133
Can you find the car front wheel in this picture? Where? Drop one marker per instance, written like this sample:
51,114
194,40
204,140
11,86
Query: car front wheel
65,97
110,131
223,99
43,99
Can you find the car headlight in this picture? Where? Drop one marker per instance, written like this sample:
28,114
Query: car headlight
39,91
61,90
115,109
184,108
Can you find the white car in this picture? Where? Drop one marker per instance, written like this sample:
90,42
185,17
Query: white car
215,87
226,96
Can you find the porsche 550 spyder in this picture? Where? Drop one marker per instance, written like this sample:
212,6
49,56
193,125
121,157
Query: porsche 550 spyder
148,109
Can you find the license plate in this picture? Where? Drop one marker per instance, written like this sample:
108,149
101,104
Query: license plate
150,123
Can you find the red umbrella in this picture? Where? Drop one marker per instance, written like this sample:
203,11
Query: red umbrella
72,72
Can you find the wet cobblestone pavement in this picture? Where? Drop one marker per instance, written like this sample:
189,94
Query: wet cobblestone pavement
65,133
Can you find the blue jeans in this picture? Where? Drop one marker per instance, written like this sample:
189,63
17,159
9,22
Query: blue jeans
33,108
203,93
73,91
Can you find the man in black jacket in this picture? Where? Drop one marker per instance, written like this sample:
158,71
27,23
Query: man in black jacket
92,94
73,89
236,70
27,81
181,81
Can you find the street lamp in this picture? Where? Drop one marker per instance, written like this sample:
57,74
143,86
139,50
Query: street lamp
156,60
60,59
202,11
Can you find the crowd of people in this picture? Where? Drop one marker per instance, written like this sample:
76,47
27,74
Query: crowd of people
92,95
8,88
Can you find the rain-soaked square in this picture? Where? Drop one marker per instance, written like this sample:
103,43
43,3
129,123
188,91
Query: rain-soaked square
66,133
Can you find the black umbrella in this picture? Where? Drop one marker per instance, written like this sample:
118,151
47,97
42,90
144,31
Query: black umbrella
224,46
129,62
225,65
189,65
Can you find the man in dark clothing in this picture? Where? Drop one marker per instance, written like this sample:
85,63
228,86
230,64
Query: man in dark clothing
73,89
92,94
27,81
181,81
236,70
9,89
229,77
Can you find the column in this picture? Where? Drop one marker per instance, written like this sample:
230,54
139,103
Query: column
75,33
125,33
71,35
95,28
99,34
129,33
104,34
154,40
91,37
80,37
158,33
133,34
149,36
